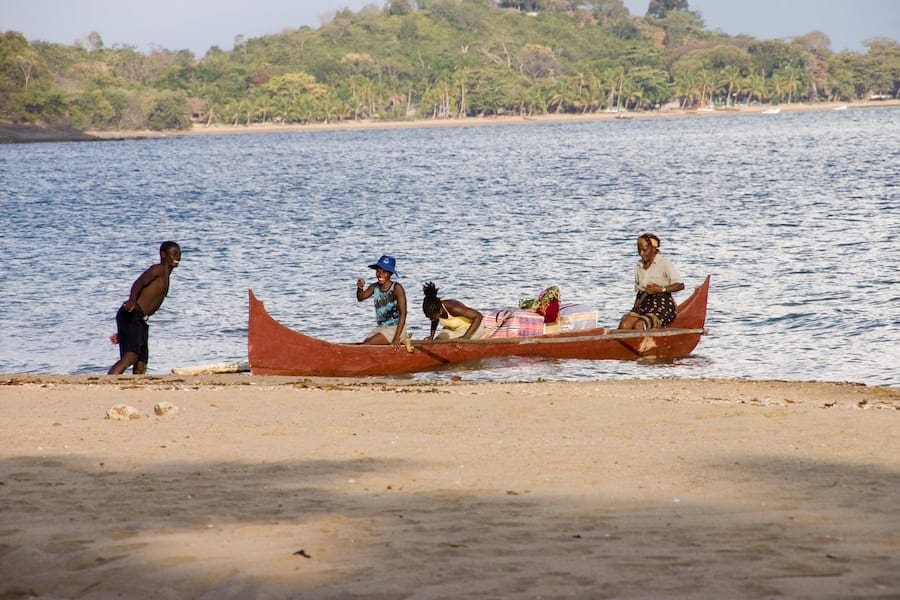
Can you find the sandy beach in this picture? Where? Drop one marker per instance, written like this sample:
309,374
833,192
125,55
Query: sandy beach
220,129
21,133
259,487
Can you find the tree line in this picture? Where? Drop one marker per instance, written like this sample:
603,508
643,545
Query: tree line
436,59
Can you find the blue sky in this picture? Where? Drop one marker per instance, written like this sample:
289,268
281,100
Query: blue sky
197,25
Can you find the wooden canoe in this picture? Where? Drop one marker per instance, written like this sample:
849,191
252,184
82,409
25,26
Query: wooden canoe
274,349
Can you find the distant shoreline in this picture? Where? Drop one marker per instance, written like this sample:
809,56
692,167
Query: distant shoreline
218,129
29,133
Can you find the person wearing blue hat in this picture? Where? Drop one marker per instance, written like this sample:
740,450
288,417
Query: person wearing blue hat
390,303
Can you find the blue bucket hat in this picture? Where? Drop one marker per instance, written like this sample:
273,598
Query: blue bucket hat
387,263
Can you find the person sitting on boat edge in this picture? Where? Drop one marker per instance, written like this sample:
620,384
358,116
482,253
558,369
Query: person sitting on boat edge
655,279
390,304
457,319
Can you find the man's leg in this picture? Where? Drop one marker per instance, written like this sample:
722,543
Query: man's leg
128,359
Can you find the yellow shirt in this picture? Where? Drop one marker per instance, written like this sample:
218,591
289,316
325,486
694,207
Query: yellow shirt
455,324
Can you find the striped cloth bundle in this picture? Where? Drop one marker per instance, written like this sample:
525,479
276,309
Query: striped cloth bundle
518,322
522,322
575,317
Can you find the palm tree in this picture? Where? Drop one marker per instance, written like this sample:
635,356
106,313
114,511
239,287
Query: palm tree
594,92
619,92
611,80
755,85
730,75
578,85
794,79
460,83
214,99
533,100
686,87
706,84
263,106
636,96
563,95
778,81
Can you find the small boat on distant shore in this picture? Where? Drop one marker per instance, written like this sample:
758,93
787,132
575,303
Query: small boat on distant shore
274,349
771,111
841,107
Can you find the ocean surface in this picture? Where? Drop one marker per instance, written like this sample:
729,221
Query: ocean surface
796,217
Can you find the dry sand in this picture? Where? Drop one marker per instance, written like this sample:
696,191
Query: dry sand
286,488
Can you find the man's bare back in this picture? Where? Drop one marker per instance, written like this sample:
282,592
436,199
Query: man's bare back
154,288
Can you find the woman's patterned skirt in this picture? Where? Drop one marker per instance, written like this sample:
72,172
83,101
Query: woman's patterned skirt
655,310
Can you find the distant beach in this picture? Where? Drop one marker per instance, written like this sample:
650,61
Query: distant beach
219,129
25,133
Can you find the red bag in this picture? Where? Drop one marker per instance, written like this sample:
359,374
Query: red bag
550,311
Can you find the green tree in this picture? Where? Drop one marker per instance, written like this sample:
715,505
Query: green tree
659,9
679,26
169,111
729,79
687,88
399,7
649,87
438,59
100,108
769,56
842,84
707,82
880,68
536,61
754,85
26,85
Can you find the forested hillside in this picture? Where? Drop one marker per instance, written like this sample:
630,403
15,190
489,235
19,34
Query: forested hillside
437,59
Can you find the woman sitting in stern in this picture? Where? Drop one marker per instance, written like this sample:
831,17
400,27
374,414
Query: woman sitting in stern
655,278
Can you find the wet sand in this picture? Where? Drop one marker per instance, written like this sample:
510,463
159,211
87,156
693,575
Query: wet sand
266,487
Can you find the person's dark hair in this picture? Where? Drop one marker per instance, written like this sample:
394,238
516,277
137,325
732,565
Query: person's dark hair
166,246
431,304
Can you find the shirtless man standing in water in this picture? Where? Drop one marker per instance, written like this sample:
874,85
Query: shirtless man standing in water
147,295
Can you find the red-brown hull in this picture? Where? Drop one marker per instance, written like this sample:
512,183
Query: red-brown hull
274,349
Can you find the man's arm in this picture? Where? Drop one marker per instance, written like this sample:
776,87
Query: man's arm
363,292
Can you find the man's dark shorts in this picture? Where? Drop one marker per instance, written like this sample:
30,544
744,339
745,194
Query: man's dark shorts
134,333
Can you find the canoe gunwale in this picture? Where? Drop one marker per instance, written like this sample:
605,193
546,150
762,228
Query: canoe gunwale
615,334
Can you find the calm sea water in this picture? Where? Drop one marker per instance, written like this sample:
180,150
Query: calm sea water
795,216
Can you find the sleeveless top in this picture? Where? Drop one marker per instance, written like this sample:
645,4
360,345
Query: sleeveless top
387,312
454,323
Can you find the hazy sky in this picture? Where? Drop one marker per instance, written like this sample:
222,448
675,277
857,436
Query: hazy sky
197,25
